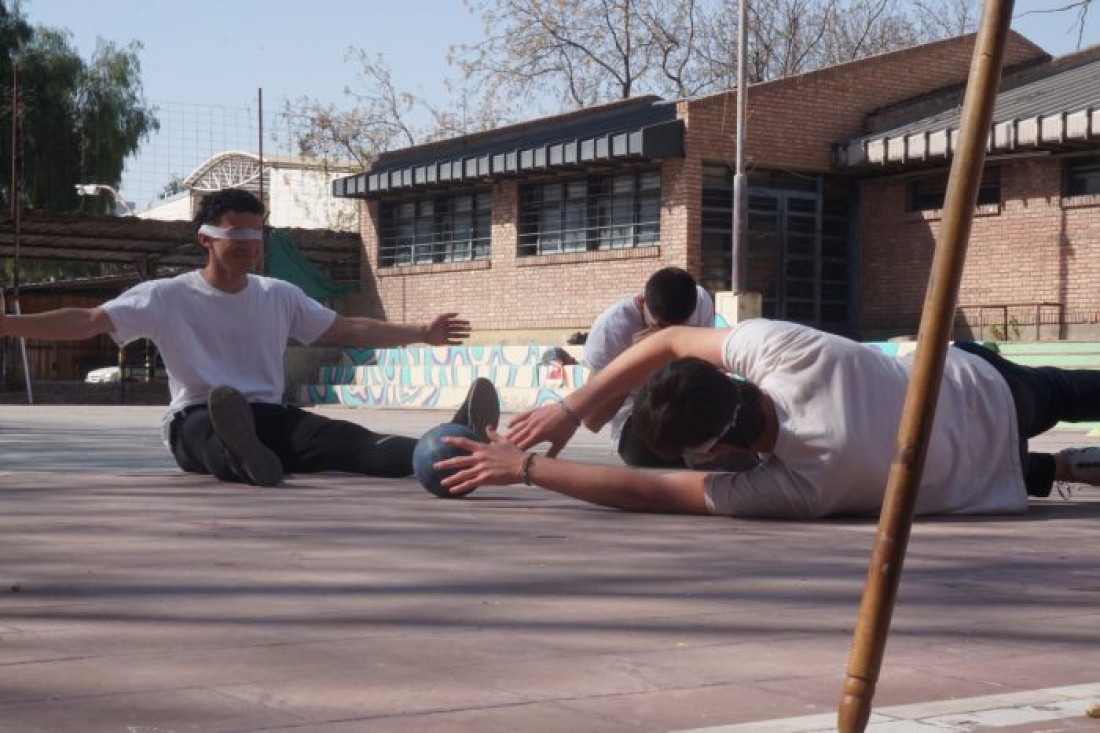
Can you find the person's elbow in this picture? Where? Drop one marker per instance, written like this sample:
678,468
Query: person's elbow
670,493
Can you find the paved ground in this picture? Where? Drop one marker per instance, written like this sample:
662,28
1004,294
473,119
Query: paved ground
139,600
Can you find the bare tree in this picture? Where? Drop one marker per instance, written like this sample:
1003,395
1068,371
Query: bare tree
577,53
541,56
946,18
1079,7
794,36
381,117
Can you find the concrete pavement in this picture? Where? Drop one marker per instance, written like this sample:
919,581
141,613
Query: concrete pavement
135,598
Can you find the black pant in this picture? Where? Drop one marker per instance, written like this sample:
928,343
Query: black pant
304,441
1044,396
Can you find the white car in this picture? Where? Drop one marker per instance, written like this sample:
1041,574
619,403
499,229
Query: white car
104,375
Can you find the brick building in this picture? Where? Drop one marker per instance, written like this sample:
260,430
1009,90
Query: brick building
540,225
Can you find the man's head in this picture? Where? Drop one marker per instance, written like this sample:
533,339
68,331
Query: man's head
670,296
690,403
230,227
214,206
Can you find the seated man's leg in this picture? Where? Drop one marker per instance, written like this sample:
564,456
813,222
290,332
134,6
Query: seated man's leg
197,448
309,443
634,451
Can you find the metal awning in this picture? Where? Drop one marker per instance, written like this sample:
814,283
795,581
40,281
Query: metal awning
637,129
148,243
1053,108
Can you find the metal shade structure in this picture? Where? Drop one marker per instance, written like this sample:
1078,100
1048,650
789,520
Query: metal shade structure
633,130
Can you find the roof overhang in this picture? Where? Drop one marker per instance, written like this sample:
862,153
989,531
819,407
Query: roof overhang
646,143
1059,131
1057,112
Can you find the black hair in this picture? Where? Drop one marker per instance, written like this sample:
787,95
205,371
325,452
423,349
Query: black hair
215,205
691,401
670,295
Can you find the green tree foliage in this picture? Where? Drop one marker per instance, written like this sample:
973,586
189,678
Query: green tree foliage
79,119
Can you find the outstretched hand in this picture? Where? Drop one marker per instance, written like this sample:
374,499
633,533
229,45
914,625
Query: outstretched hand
547,423
447,330
496,463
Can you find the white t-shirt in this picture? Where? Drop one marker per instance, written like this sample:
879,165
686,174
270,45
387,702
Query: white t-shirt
839,404
613,333
208,337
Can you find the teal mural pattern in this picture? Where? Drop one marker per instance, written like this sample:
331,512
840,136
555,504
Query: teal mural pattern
438,377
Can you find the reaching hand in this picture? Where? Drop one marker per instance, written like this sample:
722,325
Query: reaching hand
644,333
447,330
495,463
546,423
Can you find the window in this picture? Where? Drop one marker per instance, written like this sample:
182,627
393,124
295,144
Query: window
591,213
1082,176
928,194
427,230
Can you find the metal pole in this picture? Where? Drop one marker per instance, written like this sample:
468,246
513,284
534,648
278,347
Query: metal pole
260,127
17,217
740,191
937,319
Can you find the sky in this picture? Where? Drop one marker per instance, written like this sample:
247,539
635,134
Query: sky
220,52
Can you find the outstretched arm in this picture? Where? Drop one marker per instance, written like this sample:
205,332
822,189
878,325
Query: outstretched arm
64,324
557,423
499,462
596,419
445,330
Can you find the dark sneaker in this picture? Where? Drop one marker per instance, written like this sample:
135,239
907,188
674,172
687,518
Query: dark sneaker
480,409
1084,464
231,416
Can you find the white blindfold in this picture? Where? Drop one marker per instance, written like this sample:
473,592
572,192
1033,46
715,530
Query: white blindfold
217,232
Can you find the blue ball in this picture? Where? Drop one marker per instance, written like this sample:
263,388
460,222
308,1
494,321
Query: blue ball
430,449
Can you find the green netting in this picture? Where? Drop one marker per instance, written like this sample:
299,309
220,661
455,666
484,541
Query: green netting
286,262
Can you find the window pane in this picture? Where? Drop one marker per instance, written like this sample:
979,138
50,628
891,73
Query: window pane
1083,176
590,212
434,229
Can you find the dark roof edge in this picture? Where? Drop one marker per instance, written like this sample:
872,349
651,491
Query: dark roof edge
940,100
448,146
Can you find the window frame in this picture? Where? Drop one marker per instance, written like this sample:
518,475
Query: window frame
594,212
934,193
455,226
1089,176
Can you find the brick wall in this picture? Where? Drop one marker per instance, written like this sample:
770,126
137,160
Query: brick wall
793,122
1036,246
507,292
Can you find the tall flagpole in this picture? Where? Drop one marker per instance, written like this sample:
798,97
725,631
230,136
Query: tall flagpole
740,193
17,216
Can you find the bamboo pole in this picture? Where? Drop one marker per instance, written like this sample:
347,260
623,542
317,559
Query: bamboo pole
937,319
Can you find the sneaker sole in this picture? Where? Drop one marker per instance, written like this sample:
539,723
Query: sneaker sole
231,416
483,407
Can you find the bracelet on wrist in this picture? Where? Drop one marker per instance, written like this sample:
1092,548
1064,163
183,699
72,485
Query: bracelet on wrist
569,413
526,470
